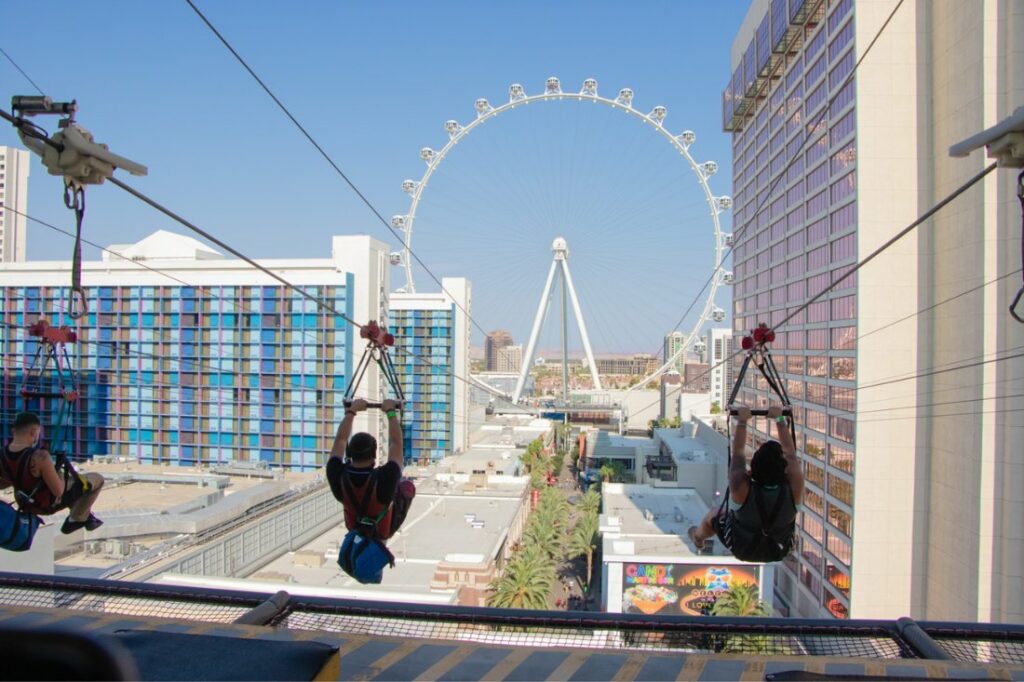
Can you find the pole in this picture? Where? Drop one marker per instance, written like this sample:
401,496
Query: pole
565,345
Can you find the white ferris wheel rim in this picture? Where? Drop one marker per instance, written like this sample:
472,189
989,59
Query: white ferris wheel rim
623,102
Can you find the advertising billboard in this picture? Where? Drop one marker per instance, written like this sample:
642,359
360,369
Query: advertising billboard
680,589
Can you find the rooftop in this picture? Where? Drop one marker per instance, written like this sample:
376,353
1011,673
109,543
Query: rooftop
641,520
452,520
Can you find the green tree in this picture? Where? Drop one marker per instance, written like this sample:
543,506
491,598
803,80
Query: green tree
742,600
675,422
716,408
526,582
591,503
584,541
612,471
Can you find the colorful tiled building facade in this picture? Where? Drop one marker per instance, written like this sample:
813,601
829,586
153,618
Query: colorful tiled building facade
432,361
234,369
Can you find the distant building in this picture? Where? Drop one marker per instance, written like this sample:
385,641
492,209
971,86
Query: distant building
14,167
432,361
497,339
640,364
230,366
719,350
696,378
674,341
670,395
510,359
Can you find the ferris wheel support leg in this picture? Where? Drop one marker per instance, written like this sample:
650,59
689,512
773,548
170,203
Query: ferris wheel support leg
582,326
531,346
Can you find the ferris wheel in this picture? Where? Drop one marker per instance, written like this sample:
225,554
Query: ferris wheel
683,143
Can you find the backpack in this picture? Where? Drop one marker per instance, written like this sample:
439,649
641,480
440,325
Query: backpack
403,501
18,526
765,544
362,555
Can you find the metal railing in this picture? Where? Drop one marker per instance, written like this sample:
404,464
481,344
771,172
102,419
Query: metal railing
872,639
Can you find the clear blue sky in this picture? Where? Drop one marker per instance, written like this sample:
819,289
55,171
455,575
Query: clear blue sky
374,83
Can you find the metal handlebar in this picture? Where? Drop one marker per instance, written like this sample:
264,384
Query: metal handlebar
375,405
786,410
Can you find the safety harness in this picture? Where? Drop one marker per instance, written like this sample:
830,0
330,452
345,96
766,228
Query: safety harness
764,546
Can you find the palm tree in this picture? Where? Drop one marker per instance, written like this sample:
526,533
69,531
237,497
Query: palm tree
526,584
591,503
584,541
612,471
742,600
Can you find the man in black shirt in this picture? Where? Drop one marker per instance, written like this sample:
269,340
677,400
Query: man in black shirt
360,470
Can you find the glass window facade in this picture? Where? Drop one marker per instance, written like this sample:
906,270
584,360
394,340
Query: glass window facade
429,388
175,388
812,181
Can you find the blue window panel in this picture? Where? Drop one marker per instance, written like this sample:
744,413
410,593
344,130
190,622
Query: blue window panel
254,440
268,336
104,363
148,319
295,442
254,381
267,411
188,350
268,351
267,395
339,383
147,435
188,393
266,426
230,319
172,319
254,320
188,423
106,305
268,365
188,451
188,334
188,408
266,455
213,320
310,320
133,435
173,379
188,292
295,380
309,381
269,306
188,305
227,439
227,379
172,437
308,442
148,378
339,323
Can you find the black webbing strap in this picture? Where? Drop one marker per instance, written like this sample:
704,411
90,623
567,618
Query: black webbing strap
74,198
